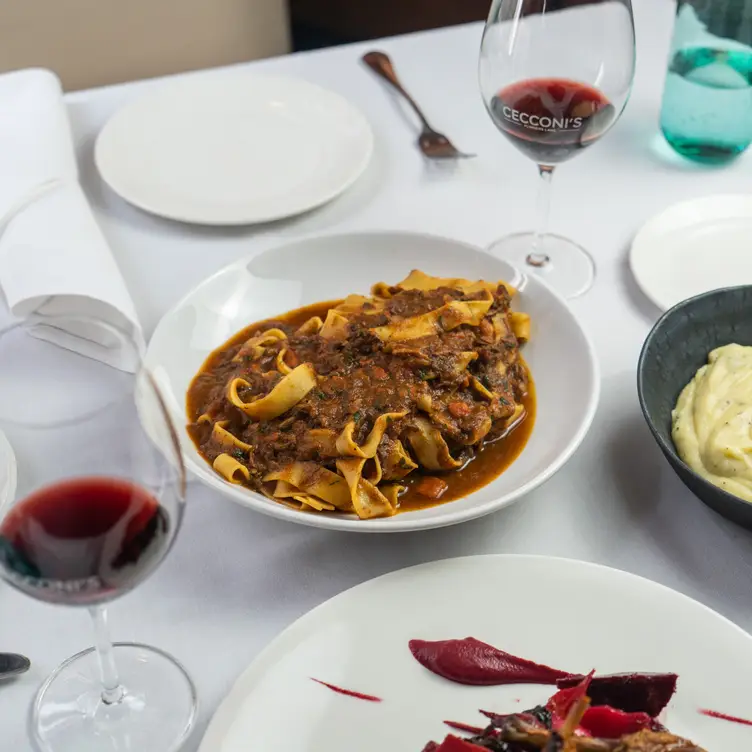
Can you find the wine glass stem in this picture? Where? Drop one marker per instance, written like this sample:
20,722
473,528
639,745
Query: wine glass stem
112,691
537,257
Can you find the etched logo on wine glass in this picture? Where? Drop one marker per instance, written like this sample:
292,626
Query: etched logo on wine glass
541,122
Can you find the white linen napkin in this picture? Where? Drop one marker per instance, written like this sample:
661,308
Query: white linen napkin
54,259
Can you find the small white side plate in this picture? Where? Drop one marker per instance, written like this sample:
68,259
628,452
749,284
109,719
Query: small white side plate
8,473
235,148
694,247
569,614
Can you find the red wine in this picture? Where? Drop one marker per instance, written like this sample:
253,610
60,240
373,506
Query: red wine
550,119
83,540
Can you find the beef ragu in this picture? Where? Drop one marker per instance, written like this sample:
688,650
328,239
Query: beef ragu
412,396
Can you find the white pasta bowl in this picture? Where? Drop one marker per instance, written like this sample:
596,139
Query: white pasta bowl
270,282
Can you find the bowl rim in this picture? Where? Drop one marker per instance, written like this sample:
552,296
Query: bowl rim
668,447
408,522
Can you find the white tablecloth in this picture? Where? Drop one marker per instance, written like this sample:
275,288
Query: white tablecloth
236,579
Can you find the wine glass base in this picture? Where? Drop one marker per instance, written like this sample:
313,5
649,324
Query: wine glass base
569,268
157,711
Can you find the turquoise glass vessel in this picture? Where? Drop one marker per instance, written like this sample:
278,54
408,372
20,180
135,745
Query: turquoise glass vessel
706,114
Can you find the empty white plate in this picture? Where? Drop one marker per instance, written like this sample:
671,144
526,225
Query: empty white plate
568,614
234,148
694,247
7,471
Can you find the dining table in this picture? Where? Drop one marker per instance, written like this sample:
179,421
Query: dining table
236,578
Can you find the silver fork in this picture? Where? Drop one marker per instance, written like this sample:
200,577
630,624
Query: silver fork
433,144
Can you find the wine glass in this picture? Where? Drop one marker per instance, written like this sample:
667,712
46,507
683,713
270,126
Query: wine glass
93,506
555,76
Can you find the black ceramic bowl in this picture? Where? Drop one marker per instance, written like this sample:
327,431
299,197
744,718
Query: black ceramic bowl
673,352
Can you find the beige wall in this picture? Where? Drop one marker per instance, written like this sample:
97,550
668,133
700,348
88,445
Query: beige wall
96,42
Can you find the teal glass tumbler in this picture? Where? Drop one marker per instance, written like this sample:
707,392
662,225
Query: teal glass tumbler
706,115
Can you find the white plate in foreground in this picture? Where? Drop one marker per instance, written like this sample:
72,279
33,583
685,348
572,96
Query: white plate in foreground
694,247
8,471
234,148
568,614
560,356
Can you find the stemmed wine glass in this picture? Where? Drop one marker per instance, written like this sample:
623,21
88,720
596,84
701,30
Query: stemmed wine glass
90,510
555,76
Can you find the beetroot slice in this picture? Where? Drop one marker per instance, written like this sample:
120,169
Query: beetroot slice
564,700
602,722
632,693
473,662
606,723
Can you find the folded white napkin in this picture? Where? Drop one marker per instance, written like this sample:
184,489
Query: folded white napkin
54,259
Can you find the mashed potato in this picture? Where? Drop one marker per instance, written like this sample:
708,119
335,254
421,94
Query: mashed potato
712,421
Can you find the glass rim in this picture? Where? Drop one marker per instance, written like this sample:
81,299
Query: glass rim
142,375
126,396
35,320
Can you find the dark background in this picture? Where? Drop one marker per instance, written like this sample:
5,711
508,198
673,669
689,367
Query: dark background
321,23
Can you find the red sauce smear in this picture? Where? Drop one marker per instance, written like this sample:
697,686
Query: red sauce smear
473,662
347,692
474,730
724,717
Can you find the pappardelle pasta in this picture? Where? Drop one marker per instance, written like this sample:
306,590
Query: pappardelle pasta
340,412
